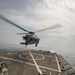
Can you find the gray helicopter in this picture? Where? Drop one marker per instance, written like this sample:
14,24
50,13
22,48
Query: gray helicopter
29,37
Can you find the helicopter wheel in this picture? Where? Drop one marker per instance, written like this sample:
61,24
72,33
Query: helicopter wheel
26,44
36,45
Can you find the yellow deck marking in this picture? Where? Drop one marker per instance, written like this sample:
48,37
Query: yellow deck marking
35,63
58,63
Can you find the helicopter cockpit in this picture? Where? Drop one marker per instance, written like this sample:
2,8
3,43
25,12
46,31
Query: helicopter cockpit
30,37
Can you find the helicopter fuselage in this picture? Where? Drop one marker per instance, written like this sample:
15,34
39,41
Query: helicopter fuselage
30,39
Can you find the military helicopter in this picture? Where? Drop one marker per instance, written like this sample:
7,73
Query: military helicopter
29,37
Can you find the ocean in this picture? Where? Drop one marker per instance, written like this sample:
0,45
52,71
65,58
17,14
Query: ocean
71,59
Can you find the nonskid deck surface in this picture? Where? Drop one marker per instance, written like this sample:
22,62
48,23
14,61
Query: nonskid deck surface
65,66
21,62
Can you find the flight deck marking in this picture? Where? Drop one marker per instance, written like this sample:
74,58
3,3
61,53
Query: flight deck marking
29,64
31,59
58,63
35,63
50,73
48,56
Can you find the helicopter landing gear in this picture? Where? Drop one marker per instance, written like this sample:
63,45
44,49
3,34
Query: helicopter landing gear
36,45
26,44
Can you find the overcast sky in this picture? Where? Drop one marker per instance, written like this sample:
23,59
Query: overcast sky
38,14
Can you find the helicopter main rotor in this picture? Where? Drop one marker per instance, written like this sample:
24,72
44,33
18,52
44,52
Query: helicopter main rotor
29,32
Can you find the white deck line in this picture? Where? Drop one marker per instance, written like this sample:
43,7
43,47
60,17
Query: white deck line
28,63
32,59
58,63
35,63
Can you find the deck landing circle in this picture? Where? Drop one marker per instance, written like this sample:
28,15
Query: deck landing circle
36,56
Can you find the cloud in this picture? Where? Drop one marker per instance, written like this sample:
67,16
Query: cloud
39,14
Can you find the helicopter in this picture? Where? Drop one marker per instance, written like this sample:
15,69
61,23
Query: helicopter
29,36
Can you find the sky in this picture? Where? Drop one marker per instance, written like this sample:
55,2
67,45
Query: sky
34,15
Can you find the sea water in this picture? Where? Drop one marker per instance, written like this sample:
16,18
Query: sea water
70,59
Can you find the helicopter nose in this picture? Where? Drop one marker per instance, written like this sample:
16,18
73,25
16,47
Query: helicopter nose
39,38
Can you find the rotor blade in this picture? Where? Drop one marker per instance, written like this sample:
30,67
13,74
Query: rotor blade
22,33
42,37
49,28
12,23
